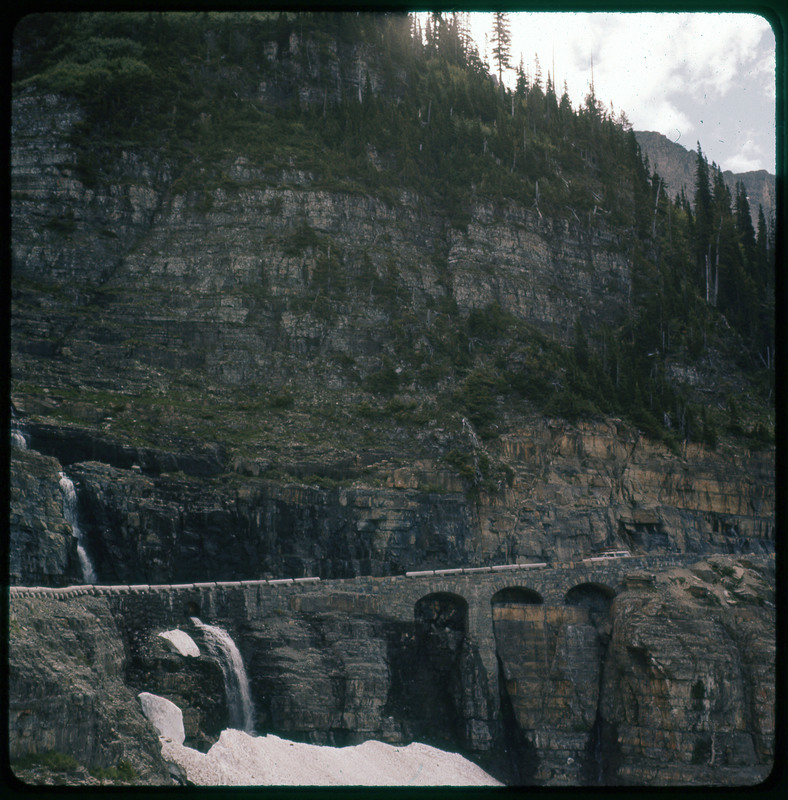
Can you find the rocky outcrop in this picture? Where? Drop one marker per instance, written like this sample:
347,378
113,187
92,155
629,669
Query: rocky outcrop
688,684
194,684
67,690
581,488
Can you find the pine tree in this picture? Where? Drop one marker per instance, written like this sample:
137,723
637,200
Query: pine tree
501,43
763,270
703,219
537,73
745,228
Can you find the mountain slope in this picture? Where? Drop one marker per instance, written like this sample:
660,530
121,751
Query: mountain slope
257,252
299,295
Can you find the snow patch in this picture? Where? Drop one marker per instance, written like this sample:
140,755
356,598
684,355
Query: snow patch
240,759
181,642
165,716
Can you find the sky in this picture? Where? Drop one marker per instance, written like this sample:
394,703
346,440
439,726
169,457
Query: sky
707,77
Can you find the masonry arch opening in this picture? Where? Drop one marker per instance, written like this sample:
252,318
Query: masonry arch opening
506,602
518,616
428,681
596,597
442,611
593,601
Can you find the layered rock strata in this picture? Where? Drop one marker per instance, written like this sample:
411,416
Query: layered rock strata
576,489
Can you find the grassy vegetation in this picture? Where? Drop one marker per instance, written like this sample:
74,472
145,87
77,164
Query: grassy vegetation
51,760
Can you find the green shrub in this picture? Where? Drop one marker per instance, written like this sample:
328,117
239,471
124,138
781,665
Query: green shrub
124,771
365,410
281,400
303,237
759,436
463,463
478,396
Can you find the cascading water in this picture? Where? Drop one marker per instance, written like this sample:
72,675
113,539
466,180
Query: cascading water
239,700
70,513
18,436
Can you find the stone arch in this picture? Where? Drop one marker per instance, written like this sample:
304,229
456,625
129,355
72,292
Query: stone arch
521,646
428,681
516,596
442,610
192,609
596,597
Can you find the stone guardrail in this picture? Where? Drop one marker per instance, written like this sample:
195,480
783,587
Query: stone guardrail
624,562
98,589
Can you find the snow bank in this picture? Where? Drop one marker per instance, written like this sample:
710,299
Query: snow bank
239,759
164,715
181,642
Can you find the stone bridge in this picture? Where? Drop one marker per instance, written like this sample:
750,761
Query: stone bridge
470,601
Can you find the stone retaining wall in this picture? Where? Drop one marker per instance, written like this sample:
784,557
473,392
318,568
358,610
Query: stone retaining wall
140,609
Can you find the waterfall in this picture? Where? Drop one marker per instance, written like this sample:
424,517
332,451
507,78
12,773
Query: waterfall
18,436
70,513
236,685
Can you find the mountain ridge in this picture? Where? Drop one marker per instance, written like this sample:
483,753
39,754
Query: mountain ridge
677,166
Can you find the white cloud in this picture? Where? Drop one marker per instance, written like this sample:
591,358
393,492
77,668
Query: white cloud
668,72
750,156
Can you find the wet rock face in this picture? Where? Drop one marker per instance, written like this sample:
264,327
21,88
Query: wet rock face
146,528
551,659
336,679
42,547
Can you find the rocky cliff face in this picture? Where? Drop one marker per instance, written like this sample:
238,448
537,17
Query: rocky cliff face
231,332
252,368
668,683
574,490
692,653
67,690
238,282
